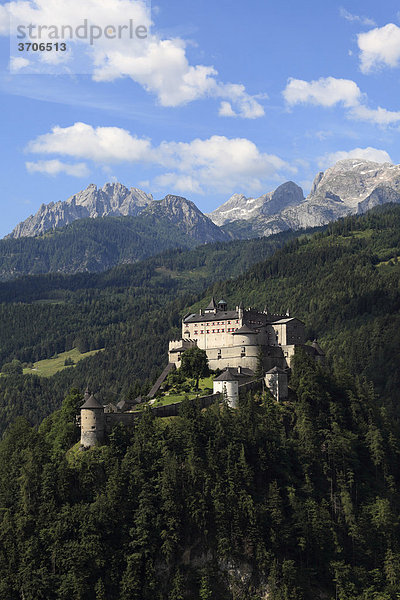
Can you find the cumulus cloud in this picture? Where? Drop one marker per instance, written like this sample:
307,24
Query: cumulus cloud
356,18
326,91
369,153
379,116
329,92
100,144
160,66
379,47
217,163
55,167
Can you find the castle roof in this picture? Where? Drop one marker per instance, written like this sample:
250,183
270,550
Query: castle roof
212,304
179,349
286,320
225,315
91,402
245,330
275,370
226,375
221,302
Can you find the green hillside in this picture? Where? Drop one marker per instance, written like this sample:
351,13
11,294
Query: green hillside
298,501
344,283
131,311
92,245
291,502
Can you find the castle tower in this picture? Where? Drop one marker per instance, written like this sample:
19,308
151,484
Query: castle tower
276,381
92,422
228,385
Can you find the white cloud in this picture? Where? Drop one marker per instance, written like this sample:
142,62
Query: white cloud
329,92
55,167
326,91
379,47
379,116
160,66
374,154
183,184
226,110
18,62
100,144
356,18
217,163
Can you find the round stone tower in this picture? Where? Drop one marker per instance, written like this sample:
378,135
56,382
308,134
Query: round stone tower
228,385
92,422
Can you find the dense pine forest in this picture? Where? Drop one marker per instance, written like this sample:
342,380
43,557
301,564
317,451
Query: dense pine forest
298,501
286,502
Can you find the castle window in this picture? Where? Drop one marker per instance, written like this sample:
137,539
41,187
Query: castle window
208,331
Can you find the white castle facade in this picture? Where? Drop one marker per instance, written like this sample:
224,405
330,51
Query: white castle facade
241,338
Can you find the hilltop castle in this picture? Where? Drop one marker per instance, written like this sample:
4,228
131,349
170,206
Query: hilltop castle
241,343
242,337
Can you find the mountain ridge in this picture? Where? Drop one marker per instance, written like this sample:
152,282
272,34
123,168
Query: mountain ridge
351,186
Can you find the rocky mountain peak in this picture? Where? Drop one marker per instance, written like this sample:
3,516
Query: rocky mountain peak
239,207
187,217
113,199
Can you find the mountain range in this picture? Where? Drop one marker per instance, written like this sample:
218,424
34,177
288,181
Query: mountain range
350,186
100,227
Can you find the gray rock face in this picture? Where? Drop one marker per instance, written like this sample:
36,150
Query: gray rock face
238,207
350,186
188,218
380,195
113,199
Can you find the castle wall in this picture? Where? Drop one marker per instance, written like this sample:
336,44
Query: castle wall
277,383
289,333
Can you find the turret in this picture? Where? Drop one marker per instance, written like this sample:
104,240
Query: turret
228,385
212,307
92,422
222,305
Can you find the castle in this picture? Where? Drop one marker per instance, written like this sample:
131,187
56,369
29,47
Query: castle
242,343
242,337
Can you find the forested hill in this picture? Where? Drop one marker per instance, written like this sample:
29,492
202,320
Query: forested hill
287,502
294,501
344,283
131,311
92,245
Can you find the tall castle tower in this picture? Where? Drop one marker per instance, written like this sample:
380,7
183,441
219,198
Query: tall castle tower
92,422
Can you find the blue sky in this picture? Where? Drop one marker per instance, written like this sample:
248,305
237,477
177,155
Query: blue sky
222,97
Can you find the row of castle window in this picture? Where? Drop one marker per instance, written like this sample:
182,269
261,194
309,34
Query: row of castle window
217,323
215,330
